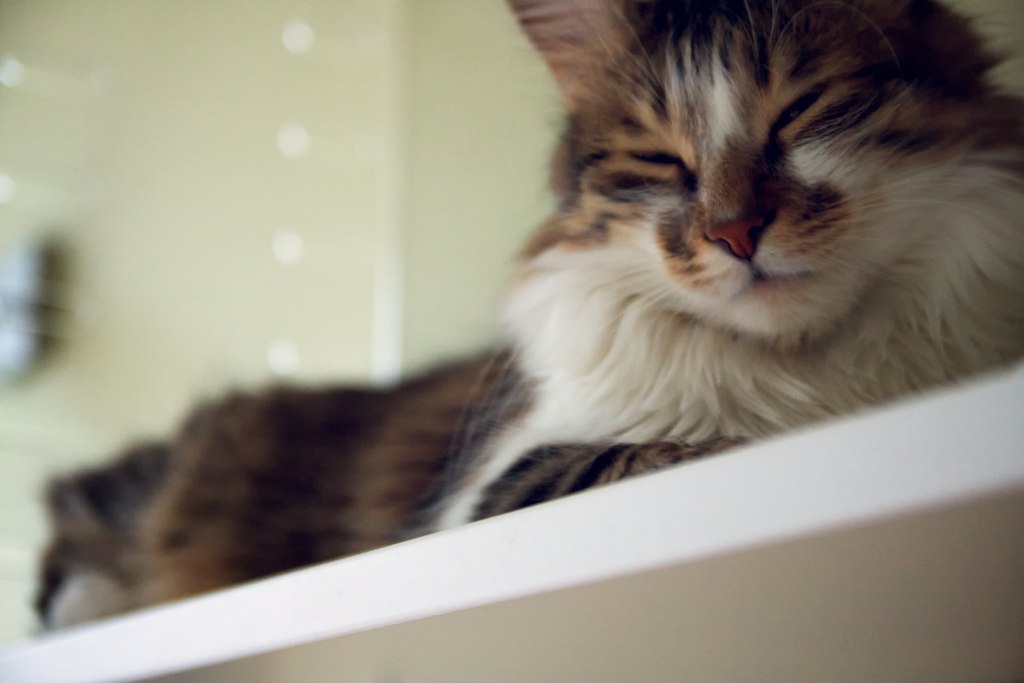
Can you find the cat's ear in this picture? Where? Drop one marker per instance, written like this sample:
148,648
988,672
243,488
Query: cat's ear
570,35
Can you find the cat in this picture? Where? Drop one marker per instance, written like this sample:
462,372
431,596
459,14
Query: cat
769,214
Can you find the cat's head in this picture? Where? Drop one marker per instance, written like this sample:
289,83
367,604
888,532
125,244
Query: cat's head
760,164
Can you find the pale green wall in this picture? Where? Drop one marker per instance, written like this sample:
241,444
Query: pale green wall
144,136
483,117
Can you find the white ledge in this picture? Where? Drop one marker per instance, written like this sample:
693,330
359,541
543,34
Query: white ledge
927,462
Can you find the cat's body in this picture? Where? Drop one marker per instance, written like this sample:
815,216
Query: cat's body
254,484
770,213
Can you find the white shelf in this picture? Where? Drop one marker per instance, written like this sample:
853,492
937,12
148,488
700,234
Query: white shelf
884,547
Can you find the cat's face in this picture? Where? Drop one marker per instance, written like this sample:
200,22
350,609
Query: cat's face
756,165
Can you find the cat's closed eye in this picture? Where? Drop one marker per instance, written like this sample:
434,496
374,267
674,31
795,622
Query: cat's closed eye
689,179
661,158
796,109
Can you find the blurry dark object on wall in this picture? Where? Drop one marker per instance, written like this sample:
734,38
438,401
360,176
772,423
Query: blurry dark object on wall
32,310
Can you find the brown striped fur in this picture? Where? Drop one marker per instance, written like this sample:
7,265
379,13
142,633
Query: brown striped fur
560,470
256,483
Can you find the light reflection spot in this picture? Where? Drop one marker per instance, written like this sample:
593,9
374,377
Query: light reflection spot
288,247
282,357
12,72
297,37
6,188
293,140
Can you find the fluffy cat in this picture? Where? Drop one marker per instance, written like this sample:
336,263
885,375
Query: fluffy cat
770,213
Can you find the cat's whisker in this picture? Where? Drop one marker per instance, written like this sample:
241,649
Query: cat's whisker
881,211
845,5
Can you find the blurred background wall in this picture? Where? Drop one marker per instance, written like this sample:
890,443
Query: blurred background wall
248,190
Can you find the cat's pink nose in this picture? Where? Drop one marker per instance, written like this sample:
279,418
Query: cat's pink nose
738,236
